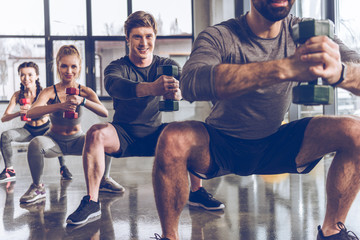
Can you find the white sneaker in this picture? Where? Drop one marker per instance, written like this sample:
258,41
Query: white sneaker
110,185
33,193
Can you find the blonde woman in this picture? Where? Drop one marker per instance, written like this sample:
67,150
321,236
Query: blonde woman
65,136
30,89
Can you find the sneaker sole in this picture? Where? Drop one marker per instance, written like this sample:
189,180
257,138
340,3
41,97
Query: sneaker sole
111,191
32,204
8,179
70,228
34,199
222,206
89,219
66,178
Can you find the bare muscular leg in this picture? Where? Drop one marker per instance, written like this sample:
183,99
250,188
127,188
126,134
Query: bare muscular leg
180,146
341,135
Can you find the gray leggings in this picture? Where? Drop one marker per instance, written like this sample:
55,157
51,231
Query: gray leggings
53,145
20,135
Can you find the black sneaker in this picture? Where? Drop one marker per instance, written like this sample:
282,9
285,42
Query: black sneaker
158,237
201,198
87,210
344,234
7,175
65,173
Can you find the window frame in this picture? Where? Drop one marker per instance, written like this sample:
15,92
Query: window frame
89,41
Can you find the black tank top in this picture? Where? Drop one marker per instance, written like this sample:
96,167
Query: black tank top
57,118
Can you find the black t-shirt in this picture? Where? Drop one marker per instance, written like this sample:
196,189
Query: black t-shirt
139,116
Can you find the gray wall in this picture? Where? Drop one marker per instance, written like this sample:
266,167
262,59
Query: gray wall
210,12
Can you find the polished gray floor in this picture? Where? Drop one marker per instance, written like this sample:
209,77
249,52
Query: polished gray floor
257,207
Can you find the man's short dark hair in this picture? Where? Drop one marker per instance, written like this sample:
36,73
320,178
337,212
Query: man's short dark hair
140,19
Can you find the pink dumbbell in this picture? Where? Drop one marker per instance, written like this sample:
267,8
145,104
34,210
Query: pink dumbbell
24,101
71,114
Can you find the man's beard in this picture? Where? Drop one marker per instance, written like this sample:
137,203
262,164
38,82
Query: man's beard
272,14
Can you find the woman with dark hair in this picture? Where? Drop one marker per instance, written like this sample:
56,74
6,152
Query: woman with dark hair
30,88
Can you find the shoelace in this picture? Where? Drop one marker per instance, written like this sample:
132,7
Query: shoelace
206,194
210,196
342,227
6,170
10,170
82,204
158,237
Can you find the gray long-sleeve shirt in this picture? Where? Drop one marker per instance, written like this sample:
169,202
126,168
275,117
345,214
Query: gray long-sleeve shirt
256,114
139,115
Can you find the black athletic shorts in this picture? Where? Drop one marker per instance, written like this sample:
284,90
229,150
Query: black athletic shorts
131,146
271,155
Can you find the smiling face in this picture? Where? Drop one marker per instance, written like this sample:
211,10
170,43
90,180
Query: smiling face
28,77
273,10
69,68
141,42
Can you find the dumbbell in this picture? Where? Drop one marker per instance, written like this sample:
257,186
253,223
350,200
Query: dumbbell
24,101
168,105
71,114
312,93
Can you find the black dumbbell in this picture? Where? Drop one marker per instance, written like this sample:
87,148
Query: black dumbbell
312,93
168,105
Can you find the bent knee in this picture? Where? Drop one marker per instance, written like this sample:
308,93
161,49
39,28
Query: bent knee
181,137
350,127
96,134
178,133
5,138
37,146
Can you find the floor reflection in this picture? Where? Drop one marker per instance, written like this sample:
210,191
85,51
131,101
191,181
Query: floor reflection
257,207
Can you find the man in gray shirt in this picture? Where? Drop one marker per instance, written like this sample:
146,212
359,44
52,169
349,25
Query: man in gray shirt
247,67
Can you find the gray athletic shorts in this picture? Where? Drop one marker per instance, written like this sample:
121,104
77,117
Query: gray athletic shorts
69,145
274,154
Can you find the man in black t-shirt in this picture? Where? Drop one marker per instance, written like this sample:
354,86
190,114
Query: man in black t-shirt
136,90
